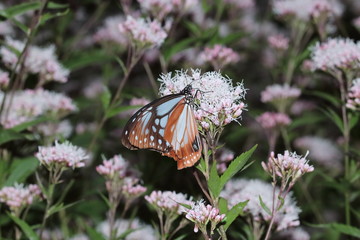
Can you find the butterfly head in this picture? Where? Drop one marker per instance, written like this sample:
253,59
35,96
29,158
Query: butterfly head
188,95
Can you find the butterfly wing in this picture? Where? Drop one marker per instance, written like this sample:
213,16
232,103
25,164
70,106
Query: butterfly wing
166,125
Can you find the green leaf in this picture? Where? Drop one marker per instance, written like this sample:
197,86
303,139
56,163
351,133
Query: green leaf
87,58
214,181
282,200
29,232
235,166
223,205
54,5
201,165
232,37
58,207
263,205
328,97
7,135
93,234
21,169
193,27
342,228
354,119
20,9
333,116
105,98
177,47
25,125
48,16
233,213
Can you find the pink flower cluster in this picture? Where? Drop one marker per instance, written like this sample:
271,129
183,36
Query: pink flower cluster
356,23
223,157
19,196
57,130
167,201
219,101
307,9
240,190
243,4
110,31
62,155
143,33
278,42
42,61
202,214
287,166
131,189
4,79
353,98
273,120
336,53
113,169
162,8
5,26
28,104
277,92
219,56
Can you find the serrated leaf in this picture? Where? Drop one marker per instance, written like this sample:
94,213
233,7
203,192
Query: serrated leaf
214,181
18,9
105,98
263,205
235,166
7,135
233,213
29,232
223,205
23,168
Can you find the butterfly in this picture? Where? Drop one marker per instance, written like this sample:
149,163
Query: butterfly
166,125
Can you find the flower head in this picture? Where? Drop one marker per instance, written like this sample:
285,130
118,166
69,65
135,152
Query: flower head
281,96
18,197
57,130
131,189
336,54
202,214
110,31
143,33
353,98
219,101
240,190
160,9
219,56
273,120
114,168
42,61
62,155
278,42
289,166
306,10
223,157
243,4
167,201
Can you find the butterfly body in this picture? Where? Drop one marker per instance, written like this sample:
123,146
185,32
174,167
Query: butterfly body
166,125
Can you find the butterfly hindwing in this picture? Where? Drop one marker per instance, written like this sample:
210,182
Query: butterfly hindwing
166,125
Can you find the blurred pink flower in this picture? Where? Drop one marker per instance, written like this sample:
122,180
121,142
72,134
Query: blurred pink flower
143,33
18,197
294,234
219,56
353,98
62,155
223,157
356,23
57,130
278,42
4,79
281,96
167,201
93,89
307,9
220,102
240,190
243,4
131,189
5,26
301,106
28,104
113,169
42,61
336,53
202,214
110,31
321,150
273,120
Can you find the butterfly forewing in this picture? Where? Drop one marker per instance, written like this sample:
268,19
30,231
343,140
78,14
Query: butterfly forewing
166,125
